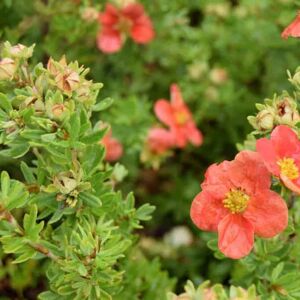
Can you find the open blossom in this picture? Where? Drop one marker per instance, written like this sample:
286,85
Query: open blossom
160,140
113,147
236,201
117,23
281,155
293,29
178,117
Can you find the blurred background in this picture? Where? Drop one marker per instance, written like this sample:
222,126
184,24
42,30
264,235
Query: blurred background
225,55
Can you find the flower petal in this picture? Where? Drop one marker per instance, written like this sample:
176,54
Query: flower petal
293,29
160,140
267,152
285,141
249,172
268,213
236,236
142,31
207,211
293,185
217,180
109,40
133,11
164,112
176,96
194,134
110,16
114,150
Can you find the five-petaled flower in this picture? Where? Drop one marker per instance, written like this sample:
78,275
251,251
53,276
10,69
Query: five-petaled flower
281,155
117,23
293,29
113,148
178,117
236,201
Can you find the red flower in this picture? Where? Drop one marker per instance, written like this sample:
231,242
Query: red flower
281,155
178,117
293,29
160,140
236,201
113,147
117,23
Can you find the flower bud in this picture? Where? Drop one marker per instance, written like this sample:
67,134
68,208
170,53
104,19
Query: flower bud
196,70
89,14
286,111
58,109
296,78
218,76
19,51
265,120
68,80
7,68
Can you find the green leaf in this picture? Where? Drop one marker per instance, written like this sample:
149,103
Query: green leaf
277,271
30,253
5,184
144,212
27,173
90,199
16,151
103,104
93,137
5,103
48,296
74,128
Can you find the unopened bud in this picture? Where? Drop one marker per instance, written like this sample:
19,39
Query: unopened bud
20,51
265,120
218,75
58,109
287,112
89,14
7,68
67,81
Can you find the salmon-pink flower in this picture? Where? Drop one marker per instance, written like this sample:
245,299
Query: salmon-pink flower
114,149
178,117
281,155
293,29
236,201
160,140
117,23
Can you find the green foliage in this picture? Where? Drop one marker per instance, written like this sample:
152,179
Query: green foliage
61,203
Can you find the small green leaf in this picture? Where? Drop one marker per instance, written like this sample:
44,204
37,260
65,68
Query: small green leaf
103,104
27,173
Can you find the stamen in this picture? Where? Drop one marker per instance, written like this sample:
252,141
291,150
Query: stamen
181,117
288,168
236,201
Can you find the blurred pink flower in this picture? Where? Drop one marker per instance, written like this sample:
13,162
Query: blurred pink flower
114,149
178,117
130,20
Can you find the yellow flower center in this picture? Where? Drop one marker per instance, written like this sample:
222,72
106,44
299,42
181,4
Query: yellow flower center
181,117
288,168
236,201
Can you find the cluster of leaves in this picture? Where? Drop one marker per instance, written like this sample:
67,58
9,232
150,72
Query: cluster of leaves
64,206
